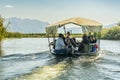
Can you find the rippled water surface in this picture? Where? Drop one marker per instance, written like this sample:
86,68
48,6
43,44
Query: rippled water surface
29,59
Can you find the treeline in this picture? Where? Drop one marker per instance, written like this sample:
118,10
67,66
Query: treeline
20,35
106,33
36,35
13,35
111,34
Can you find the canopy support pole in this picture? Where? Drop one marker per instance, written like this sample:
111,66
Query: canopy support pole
89,34
53,37
64,30
49,43
99,36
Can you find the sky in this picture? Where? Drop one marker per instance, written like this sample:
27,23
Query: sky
105,11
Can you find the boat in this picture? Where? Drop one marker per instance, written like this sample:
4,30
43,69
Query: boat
88,26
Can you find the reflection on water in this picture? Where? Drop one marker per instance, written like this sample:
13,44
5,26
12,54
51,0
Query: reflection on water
29,59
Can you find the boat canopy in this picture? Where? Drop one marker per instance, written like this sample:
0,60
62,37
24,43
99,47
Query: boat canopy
86,24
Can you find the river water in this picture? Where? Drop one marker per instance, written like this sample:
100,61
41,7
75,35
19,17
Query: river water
29,59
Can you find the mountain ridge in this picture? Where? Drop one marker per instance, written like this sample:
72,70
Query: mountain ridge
110,25
35,26
26,25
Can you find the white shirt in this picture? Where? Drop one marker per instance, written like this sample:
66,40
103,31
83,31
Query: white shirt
59,44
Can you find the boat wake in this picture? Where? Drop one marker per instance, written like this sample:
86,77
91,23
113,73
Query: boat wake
45,66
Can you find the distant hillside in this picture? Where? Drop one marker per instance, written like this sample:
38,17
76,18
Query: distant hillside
26,25
111,25
36,26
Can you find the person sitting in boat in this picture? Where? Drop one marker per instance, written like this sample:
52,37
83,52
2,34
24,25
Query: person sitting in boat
70,41
93,41
84,43
60,45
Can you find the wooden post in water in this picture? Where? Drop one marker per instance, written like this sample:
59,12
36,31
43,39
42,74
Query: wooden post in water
99,36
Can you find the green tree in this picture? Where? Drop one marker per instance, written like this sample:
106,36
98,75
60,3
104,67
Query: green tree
2,32
113,33
2,29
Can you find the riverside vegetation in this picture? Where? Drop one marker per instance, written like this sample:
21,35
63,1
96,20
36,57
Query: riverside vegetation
112,33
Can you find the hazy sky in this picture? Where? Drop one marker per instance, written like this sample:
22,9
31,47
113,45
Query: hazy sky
104,11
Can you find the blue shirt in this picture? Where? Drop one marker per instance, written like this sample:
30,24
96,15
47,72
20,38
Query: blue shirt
59,44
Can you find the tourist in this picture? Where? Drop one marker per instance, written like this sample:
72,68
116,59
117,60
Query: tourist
60,46
84,42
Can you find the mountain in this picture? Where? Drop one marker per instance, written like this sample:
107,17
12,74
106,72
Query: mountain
25,25
36,26
110,25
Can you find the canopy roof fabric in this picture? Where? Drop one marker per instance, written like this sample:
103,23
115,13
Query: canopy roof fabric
86,24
